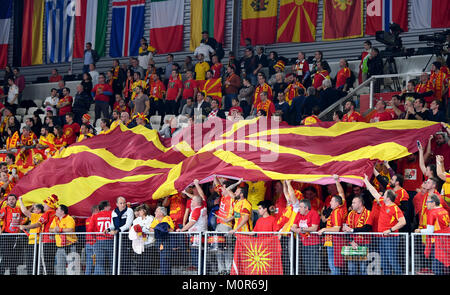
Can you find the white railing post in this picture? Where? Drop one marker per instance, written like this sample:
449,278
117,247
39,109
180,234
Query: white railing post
371,93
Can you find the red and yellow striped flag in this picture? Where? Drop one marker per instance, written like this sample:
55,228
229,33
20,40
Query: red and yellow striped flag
297,21
139,165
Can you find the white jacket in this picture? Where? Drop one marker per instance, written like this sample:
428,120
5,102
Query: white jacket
139,243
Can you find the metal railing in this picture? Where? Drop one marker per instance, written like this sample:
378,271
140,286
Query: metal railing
212,253
327,114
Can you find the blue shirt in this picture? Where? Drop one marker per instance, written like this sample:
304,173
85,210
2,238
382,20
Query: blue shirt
88,58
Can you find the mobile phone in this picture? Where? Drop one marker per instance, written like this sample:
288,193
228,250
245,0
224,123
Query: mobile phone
418,144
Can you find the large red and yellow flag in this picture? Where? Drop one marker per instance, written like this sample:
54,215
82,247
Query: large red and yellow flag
257,256
259,21
140,165
297,21
342,19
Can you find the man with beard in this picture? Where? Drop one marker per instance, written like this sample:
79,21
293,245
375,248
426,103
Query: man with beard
350,114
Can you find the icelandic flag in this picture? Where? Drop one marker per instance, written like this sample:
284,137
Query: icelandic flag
60,26
381,13
127,27
5,25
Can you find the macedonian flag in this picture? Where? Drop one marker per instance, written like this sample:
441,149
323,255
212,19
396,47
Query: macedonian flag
342,19
257,256
259,21
297,21
140,165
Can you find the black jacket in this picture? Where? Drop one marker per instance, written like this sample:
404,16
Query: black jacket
82,101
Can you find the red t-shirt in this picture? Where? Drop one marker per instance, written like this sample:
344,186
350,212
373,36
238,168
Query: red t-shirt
266,224
68,108
342,77
172,89
177,208
384,116
188,89
442,150
90,239
439,218
46,220
105,96
307,221
412,174
389,216
99,223
12,217
70,132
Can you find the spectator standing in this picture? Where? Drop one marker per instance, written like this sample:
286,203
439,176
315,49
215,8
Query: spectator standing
142,239
94,74
82,103
11,217
90,57
64,106
12,101
19,80
63,223
51,101
104,245
102,93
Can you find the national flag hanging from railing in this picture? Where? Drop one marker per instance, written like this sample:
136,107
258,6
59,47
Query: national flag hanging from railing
60,29
297,21
166,25
342,19
127,27
257,255
208,16
90,26
259,21
381,13
5,25
139,165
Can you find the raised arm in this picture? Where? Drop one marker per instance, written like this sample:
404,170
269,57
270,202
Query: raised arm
291,192
199,189
440,167
339,187
422,166
24,209
371,189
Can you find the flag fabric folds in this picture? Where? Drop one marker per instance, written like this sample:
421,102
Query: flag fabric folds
32,32
5,25
381,13
297,21
139,165
207,16
259,21
426,14
127,27
342,19
90,26
60,29
166,25
257,256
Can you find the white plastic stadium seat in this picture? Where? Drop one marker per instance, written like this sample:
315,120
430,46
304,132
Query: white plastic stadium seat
19,118
21,111
32,110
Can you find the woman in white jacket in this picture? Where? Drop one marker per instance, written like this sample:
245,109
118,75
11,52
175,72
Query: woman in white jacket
142,238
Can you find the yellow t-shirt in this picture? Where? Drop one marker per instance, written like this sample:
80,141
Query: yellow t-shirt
167,219
34,231
446,188
256,193
200,70
241,208
66,222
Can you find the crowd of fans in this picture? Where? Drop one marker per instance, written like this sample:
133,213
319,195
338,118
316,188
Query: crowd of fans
396,199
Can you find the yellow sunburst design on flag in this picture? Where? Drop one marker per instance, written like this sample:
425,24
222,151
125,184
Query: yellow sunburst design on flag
342,4
293,20
258,258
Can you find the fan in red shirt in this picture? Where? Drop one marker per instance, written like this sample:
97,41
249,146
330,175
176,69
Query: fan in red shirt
409,167
55,77
177,207
425,87
319,76
266,222
11,246
265,104
343,75
90,241
381,114
390,220
217,67
190,86
100,223
307,221
351,115
437,222
71,130
64,105
173,95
